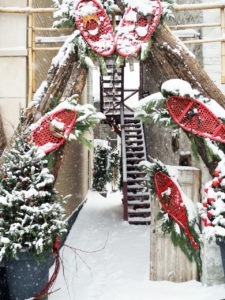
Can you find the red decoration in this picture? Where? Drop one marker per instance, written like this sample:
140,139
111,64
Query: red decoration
193,116
210,201
174,205
206,190
216,173
95,27
209,214
44,137
204,204
206,222
131,34
56,245
215,182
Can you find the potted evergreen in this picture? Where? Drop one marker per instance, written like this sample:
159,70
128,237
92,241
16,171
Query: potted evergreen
31,217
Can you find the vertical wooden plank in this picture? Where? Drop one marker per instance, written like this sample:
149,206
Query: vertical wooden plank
30,54
222,18
166,261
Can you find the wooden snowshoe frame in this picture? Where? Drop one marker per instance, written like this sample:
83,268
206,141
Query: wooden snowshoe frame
195,117
47,136
172,202
95,26
131,33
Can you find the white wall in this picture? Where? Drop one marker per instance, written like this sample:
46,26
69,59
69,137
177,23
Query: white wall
13,64
212,51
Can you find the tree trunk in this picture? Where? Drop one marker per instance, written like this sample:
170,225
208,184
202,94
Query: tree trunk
169,58
63,80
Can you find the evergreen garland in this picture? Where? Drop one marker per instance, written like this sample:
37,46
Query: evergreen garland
180,239
150,168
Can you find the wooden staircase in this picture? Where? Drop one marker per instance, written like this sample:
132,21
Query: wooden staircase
136,197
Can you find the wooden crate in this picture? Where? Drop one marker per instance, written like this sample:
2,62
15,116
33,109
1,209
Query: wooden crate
166,261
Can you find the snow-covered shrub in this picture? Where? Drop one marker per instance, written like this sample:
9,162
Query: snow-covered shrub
100,172
106,166
31,215
114,168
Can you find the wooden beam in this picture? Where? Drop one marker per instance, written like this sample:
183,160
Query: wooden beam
222,18
184,7
26,10
200,25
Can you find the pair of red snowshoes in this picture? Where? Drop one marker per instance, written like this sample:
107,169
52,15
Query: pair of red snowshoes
134,29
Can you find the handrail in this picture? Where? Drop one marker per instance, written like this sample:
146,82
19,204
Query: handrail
124,164
201,6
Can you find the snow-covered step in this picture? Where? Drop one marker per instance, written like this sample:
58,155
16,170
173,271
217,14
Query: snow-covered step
139,210
139,220
139,202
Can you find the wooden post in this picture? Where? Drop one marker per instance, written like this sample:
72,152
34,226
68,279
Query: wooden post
222,17
168,262
30,55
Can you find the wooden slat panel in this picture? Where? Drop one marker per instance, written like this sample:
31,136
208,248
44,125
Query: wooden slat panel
166,261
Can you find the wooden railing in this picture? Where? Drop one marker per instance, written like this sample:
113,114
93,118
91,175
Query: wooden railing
32,32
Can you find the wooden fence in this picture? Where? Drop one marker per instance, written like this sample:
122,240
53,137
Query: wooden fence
168,262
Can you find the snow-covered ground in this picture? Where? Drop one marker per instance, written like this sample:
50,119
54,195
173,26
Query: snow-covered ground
111,261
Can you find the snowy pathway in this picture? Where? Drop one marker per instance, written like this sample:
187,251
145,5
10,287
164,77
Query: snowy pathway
120,269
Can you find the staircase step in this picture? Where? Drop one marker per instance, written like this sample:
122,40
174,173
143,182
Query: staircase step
137,188
131,121
138,194
134,141
131,130
139,211
139,220
133,180
146,204
133,136
136,124
135,176
134,148
134,154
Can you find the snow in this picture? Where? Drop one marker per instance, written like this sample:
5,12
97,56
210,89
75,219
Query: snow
177,87
111,260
